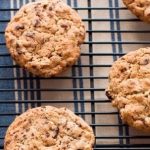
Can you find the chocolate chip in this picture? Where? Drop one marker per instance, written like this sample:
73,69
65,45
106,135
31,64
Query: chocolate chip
38,14
47,134
32,134
144,61
34,67
64,26
19,27
25,11
108,95
8,142
123,69
27,130
50,8
60,55
19,52
45,6
16,136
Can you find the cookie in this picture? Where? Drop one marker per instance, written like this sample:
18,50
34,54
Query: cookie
141,8
129,88
49,128
44,37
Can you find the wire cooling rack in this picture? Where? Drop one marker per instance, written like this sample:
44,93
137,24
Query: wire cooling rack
111,32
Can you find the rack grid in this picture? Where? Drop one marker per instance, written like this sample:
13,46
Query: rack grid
112,31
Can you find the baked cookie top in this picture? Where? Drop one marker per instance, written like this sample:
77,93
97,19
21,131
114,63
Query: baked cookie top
129,88
49,128
45,36
141,8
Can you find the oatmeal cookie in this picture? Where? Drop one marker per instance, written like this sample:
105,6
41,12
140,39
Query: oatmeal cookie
129,88
49,128
44,37
141,8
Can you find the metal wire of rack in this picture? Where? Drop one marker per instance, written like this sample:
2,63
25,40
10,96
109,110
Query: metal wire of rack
111,32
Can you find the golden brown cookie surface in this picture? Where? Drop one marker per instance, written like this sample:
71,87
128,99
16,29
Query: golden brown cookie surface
129,88
141,8
49,128
45,37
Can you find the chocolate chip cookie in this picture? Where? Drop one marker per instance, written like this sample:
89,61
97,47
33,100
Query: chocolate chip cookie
49,128
141,8
129,88
44,37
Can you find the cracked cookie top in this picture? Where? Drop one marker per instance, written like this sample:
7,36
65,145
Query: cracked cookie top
49,128
129,88
45,37
141,8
